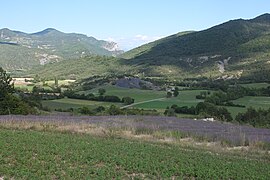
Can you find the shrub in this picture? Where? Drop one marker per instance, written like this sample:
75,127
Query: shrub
114,110
127,100
101,91
169,112
111,99
169,95
86,110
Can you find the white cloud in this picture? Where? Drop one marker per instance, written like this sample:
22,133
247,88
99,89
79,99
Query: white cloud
110,39
127,43
141,37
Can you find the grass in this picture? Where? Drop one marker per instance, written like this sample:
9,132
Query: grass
235,110
53,155
185,98
137,94
67,103
254,101
249,101
50,83
256,85
24,86
60,82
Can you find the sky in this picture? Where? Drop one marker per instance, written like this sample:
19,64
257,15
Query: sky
130,23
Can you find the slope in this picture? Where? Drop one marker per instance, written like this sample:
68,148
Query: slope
238,48
20,50
80,68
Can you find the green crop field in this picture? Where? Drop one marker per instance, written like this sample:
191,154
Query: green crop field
52,155
256,85
185,98
137,94
49,83
67,103
249,101
254,101
235,110
60,82
24,86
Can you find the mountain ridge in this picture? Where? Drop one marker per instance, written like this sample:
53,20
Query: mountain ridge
236,49
227,50
48,45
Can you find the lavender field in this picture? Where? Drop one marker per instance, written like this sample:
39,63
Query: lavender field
213,130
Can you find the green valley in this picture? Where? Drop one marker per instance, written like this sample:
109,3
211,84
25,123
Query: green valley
191,105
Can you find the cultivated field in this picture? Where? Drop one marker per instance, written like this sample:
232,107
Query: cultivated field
185,98
21,84
213,131
66,147
137,94
256,102
150,99
256,85
67,103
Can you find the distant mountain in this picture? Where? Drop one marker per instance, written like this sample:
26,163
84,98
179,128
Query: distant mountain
235,49
21,51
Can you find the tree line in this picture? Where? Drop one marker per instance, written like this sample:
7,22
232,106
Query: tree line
100,97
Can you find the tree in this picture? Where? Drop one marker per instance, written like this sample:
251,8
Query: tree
169,94
36,79
114,110
56,81
14,105
101,91
127,100
6,84
86,110
169,112
100,109
176,92
10,103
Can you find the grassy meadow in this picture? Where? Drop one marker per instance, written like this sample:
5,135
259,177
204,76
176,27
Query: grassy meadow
256,102
29,86
185,98
256,85
137,94
67,103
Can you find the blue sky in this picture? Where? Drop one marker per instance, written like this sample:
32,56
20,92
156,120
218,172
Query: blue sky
128,22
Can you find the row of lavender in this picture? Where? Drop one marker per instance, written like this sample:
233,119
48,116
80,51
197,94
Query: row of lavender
214,130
